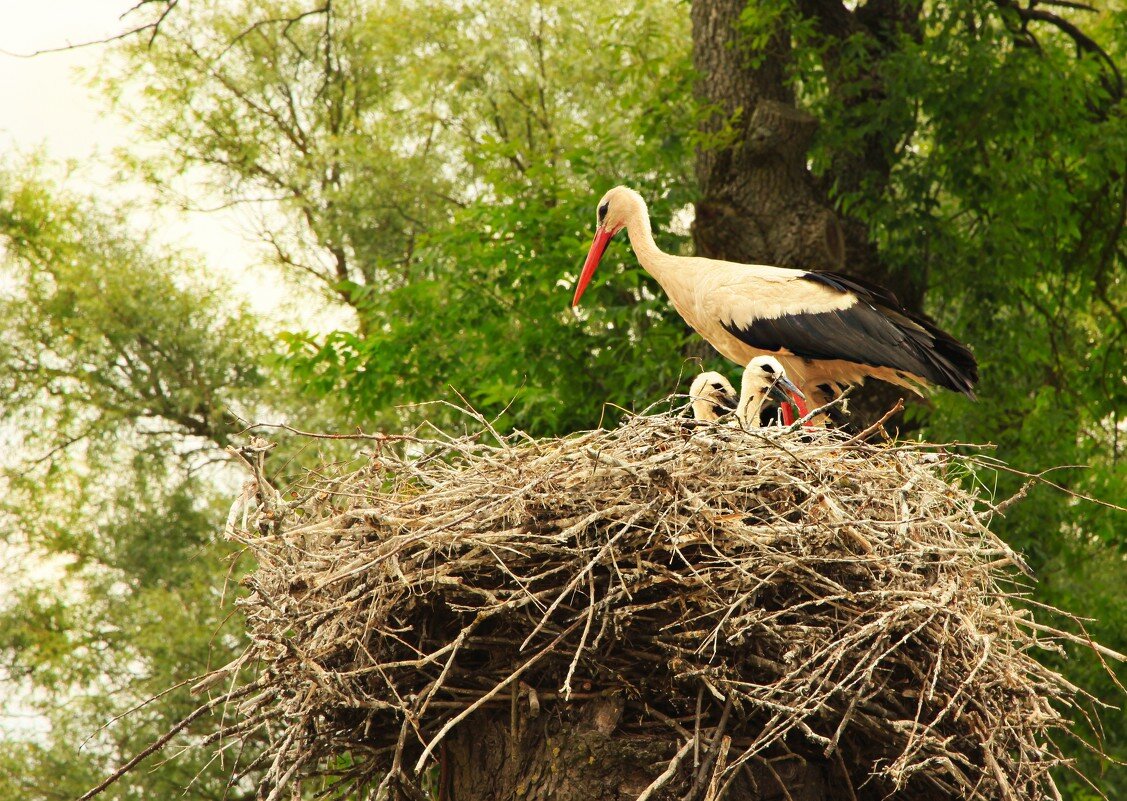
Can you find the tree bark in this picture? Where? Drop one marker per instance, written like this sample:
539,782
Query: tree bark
575,752
759,202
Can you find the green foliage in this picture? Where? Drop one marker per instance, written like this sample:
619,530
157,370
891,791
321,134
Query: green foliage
119,370
491,322
99,333
443,162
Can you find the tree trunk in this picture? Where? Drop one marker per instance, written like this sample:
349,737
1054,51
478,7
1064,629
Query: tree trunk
575,752
759,203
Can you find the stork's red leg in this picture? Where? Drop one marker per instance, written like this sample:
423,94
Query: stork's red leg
788,413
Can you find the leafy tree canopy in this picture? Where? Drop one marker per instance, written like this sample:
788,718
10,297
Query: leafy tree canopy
433,165
120,370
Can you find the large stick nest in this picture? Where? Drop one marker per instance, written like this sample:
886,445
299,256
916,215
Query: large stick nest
798,592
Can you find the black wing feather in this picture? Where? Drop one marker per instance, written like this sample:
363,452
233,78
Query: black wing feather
874,331
860,287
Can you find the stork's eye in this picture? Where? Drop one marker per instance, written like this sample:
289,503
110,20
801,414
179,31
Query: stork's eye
716,385
603,211
768,368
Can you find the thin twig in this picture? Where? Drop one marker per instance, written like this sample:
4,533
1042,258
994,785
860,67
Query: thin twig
163,740
667,774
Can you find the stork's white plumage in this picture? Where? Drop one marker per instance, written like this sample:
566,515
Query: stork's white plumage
713,396
764,380
827,330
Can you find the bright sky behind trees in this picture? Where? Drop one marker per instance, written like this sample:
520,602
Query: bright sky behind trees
47,105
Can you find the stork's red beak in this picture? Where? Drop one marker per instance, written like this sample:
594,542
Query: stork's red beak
594,255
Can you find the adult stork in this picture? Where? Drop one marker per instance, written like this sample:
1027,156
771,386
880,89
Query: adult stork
827,330
765,380
713,396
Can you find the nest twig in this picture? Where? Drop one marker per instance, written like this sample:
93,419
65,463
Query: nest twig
829,597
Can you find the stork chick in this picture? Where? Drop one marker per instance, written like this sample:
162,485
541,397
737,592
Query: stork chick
713,396
764,379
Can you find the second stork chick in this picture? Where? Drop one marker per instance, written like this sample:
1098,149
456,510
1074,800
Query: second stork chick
764,381
713,396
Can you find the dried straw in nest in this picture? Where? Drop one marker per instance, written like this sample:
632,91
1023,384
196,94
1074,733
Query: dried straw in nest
820,595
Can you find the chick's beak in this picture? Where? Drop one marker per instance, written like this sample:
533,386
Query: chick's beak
725,401
784,390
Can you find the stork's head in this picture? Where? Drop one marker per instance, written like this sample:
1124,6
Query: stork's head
764,379
618,208
713,396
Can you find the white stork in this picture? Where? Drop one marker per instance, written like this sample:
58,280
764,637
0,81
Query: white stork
765,379
827,330
713,396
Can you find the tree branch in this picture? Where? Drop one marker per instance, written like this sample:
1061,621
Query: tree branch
1083,42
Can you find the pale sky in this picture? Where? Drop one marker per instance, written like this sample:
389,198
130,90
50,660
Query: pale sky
41,100
45,104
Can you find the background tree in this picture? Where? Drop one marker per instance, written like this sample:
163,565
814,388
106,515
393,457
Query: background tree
431,166
121,372
115,377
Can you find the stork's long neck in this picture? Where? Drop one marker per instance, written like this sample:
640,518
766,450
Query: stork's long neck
657,263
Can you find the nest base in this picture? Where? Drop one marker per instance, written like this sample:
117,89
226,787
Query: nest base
689,607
